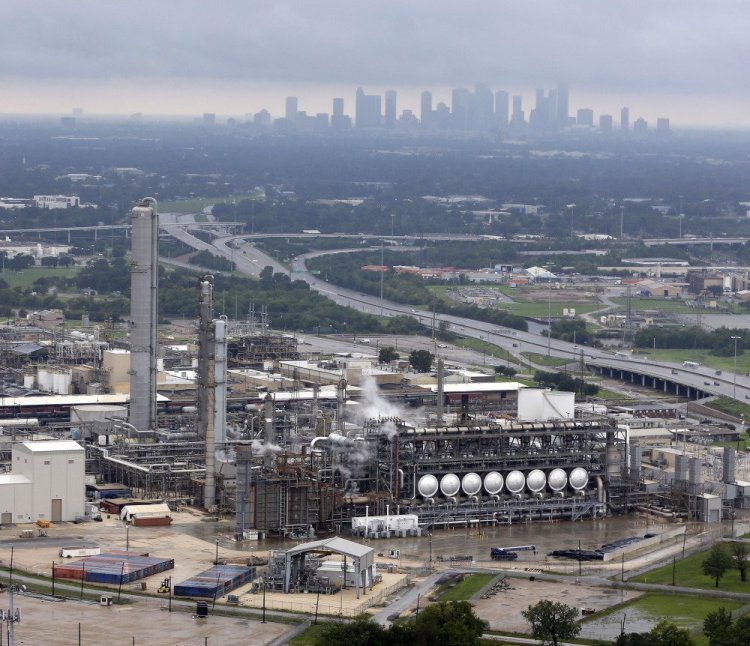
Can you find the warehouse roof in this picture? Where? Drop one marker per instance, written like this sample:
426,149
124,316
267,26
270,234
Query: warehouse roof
335,544
486,387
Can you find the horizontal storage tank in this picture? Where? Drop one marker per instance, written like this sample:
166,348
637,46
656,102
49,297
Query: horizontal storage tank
557,479
450,484
515,482
493,483
536,480
471,484
579,478
428,486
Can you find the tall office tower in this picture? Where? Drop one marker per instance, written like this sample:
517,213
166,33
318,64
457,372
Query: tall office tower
144,288
662,126
442,116
390,108
501,109
460,108
640,126
625,119
517,117
539,118
425,109
340,121
605,123
585,117
209,118
367,110
562,104
291,108
481,108
262,118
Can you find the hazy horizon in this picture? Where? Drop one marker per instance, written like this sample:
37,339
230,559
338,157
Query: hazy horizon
679,59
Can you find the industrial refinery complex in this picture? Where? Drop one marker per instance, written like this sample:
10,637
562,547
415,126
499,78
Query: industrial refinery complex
336,452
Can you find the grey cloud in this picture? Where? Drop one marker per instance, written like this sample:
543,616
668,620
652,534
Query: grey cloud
641,45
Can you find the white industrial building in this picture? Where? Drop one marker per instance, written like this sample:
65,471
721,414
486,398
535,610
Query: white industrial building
57,201
46,482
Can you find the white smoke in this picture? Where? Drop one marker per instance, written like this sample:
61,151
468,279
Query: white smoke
258,448
372,405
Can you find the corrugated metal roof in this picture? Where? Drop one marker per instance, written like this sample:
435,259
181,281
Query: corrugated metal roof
335,544
146,510
481,387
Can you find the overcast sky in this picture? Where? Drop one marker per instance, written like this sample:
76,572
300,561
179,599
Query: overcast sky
687,59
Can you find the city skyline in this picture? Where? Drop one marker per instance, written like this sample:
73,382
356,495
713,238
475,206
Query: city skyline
685,59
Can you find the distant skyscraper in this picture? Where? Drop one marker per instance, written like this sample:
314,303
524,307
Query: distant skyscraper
501,109
367,110
662,126
625,119
562,104
425,109
390,108
640,126
460,108
209,118
291,108
481,108
517,117
262,118
340,121
605,123
585,117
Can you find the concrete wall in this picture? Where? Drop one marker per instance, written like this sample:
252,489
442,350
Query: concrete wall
56,471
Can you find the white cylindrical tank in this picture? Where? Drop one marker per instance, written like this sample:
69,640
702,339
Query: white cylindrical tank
515,482
428,486
557,479
450,484
535,480
493,483
471,484
579,478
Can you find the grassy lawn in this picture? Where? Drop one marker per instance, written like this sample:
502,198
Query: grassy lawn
308,637
492,351
544,360
686,611
689,574
540,311
660,304
731,406
466,589
26,278
743,444
610,394
701,356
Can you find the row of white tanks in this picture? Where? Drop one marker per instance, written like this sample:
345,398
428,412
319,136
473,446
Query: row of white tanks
493,482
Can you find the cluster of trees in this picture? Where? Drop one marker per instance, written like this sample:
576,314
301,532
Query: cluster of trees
571,330
665,633
208,260
722,631
722,557
505,371
563,381
19,262
345,270
440,624
719,341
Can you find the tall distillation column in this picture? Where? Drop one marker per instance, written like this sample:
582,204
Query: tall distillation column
144,290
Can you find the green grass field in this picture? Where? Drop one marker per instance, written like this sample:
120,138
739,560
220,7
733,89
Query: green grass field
659,304
701,356
689,574
26,278
731,406
544,360
467,588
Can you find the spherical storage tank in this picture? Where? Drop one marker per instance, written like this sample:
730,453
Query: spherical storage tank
579,478
493,483
428,486
557,479
515,481
450,484
471,484
536,480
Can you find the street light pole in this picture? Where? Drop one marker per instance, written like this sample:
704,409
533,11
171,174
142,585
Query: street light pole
622,212
549,317
216,559
734,383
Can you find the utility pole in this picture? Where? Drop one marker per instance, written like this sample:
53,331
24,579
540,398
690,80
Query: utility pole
734,382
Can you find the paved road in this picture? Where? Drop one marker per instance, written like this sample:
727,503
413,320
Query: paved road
250,260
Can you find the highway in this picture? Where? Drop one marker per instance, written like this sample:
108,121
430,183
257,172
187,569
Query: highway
250,260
